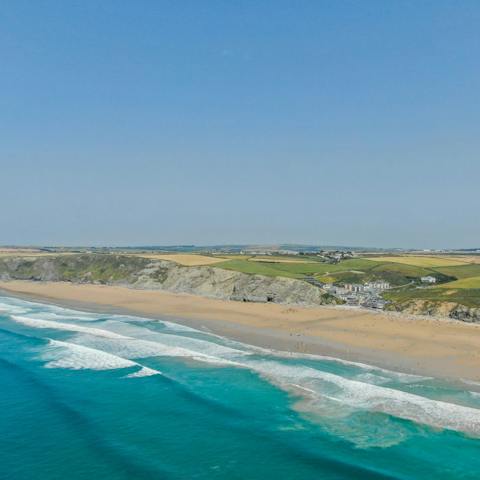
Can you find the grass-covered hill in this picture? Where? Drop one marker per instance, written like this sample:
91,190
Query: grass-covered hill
352,270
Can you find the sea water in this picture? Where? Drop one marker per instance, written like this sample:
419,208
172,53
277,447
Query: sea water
112,397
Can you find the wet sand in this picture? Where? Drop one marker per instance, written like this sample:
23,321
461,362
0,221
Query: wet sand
443,348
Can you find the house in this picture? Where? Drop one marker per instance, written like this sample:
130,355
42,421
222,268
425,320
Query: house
354,287
378,285
428,279
338,290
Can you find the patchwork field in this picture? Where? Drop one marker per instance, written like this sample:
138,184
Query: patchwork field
297,269
356,270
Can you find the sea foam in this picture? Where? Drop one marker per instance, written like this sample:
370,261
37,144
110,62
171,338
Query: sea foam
68,355
71,327
374,398
71,356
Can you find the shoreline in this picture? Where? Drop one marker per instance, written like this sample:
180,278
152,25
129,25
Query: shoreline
426,346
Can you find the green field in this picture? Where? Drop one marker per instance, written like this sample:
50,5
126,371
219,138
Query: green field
294,270
357,270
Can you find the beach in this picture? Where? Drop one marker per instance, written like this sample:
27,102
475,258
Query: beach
442,348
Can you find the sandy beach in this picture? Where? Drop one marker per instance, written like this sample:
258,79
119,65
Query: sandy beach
420,345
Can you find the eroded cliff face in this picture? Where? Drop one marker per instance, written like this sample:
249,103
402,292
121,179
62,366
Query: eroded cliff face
452,310
137,272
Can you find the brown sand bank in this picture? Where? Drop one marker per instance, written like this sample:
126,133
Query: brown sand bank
421,345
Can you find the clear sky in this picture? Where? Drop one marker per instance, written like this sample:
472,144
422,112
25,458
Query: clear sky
202,122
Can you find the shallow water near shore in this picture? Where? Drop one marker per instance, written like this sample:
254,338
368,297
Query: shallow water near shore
122,397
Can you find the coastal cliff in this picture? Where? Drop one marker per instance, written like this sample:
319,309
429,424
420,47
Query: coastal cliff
143,273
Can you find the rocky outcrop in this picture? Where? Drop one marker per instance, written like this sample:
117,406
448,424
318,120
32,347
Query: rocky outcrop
137,272
451,310
466,314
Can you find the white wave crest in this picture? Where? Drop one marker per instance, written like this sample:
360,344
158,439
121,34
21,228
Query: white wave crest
134,348
397,376
365,396
71,327
12,309
143,372
79,317
77,357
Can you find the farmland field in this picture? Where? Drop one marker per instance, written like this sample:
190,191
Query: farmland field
187,259
472,282
16,252
422,261
466,258
273,259
461,271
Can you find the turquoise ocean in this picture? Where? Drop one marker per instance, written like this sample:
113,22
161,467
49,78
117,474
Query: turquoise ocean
116,397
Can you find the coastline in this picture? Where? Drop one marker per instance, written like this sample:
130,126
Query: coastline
426,346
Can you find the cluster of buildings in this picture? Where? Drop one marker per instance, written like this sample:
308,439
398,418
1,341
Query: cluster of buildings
327,256
366,295
265,252
333,256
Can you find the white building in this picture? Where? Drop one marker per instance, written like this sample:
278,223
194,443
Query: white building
428,279
354,287
338,290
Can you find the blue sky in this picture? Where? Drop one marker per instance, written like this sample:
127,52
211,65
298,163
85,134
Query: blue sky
180,122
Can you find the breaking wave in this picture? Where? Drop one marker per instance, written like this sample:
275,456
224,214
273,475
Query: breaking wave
59,354
37,323
365,396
